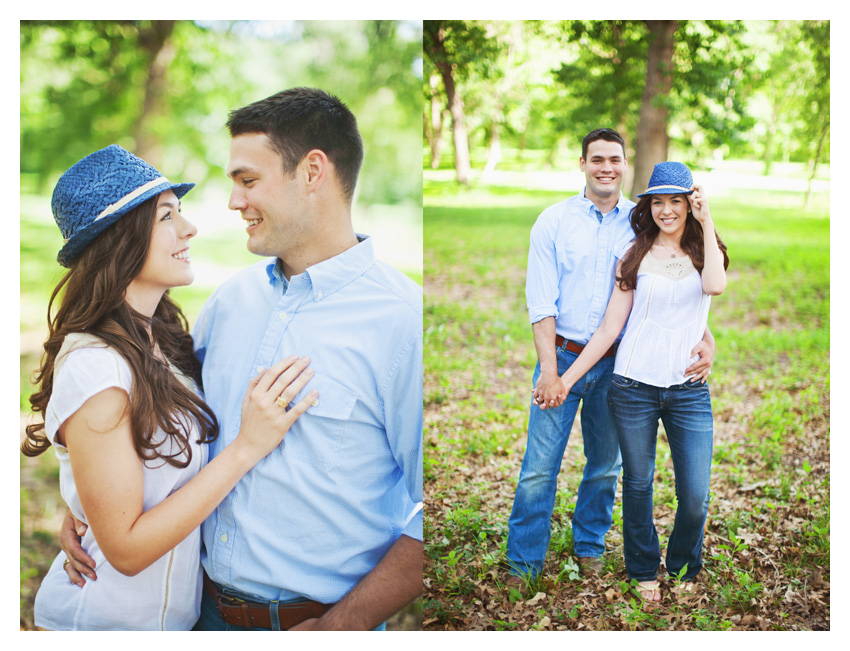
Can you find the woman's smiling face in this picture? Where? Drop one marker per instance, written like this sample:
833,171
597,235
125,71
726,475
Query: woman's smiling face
167,264
670,211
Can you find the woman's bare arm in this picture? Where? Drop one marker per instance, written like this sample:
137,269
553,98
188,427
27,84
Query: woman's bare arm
616,315
109,474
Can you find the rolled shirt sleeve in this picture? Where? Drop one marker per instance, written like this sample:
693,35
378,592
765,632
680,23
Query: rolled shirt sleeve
403,413
571,264
541,285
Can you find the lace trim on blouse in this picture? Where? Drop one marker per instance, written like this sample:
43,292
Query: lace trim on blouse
674,268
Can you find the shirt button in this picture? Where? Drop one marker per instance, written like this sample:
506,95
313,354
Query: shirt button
260,369
319,296
316,404
282,315
224,537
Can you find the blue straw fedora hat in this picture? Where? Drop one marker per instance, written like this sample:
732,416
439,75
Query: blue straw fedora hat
99,189
670,178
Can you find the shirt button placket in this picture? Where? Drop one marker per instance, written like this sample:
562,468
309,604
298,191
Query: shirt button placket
221,558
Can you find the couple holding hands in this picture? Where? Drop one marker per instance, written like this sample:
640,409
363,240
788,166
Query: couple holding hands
639,357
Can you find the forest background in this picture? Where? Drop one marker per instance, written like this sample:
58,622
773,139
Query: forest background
163,90
747,106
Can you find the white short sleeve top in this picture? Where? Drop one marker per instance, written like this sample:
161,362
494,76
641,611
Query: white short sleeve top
668,318
164,596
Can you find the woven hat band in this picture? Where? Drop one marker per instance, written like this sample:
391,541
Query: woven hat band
666,187
127,198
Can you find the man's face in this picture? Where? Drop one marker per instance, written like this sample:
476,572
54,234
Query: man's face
604,169
270,201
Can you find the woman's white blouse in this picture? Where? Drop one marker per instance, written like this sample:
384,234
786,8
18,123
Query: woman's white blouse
668,318
167,594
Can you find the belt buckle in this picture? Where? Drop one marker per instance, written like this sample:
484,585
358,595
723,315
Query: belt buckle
229,600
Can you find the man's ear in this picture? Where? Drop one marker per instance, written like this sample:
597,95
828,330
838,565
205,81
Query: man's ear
315,168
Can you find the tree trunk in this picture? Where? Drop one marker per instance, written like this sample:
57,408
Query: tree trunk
823,135
495,154
459,136
628,177
461,142
770,137
521,142
435,125
154,40
652,139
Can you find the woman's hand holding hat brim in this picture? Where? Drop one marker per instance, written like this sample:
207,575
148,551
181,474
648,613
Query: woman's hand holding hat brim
699,204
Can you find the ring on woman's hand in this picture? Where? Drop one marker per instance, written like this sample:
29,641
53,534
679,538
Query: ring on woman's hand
65,564
282,403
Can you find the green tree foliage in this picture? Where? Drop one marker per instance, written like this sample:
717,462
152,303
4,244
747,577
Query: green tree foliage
792,82
517,95
781,84
711,83
455,49
140,84
606,77
701,83
163,89
815,110
737,88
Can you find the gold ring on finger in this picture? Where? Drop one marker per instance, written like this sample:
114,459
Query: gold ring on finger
65,564
282,402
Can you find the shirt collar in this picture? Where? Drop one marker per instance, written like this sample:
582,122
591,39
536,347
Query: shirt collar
591,208
275,271
332,274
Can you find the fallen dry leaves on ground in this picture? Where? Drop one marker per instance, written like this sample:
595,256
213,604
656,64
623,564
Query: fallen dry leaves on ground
771,573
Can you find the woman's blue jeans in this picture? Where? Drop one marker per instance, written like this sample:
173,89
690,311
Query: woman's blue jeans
529,527
685,410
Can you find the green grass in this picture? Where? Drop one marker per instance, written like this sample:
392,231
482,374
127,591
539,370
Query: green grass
768,529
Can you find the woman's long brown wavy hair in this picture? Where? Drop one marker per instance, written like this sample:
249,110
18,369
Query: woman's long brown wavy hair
646,230
93,302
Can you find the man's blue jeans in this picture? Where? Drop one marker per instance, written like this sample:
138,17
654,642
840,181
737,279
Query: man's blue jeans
685,410
529,527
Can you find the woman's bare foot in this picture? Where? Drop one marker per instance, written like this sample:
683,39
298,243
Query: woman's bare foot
649,590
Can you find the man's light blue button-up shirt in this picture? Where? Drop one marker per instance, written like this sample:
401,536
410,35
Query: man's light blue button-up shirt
317,514
571,264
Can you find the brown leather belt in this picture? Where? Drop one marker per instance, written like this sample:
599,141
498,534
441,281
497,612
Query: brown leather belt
251,614
573,347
